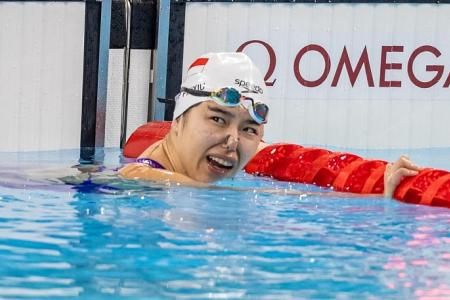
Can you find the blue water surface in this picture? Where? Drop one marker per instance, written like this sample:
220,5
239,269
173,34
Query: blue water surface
65,234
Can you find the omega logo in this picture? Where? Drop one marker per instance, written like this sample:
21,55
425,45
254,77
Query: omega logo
362,64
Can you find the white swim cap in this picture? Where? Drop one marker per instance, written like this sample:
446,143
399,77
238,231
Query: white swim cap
214,71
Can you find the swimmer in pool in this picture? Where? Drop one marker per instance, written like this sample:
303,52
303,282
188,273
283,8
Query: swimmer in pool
218,125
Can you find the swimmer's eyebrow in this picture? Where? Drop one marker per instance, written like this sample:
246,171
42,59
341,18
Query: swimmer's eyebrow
222,111
230,114
252,122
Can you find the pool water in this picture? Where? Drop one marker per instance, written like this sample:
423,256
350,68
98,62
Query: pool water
67,235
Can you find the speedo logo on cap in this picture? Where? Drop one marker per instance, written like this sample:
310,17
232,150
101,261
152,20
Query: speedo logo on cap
248,87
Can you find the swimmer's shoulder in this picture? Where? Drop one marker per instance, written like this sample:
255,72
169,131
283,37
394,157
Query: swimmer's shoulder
150,150
141,172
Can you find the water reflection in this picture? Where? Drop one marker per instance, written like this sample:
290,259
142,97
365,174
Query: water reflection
424,264
91,235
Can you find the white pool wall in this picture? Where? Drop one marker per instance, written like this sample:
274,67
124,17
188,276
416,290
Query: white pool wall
41,73
138,93
359,116
41,78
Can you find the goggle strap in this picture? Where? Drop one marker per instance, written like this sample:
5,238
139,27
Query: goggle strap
196,92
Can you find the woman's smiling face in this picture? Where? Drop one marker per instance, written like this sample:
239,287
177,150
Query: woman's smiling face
213,142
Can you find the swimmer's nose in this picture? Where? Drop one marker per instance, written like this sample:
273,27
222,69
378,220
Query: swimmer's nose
231,142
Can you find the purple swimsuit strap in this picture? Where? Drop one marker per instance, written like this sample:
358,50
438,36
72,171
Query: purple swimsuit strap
150,162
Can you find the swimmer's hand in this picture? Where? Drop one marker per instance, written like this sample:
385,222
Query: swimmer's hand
140,171
396,172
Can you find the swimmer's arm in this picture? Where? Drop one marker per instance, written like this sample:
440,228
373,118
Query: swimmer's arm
140,171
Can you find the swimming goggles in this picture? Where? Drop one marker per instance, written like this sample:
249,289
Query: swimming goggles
231,97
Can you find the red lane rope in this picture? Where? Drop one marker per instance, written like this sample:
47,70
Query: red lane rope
144,136
375,181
